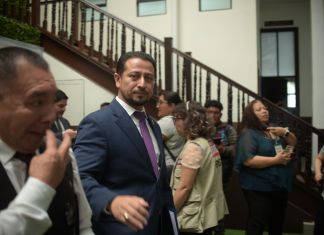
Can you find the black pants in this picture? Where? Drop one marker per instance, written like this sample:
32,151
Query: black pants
266,211
319,220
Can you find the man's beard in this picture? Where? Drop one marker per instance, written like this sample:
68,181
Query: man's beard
135,103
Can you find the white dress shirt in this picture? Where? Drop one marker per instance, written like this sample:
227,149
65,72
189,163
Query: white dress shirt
27,213
130,110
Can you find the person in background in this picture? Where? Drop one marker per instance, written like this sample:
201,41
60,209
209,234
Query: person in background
120,155
61,125
172,140
264,161
224,136
104,104
41,190
319,218
196,179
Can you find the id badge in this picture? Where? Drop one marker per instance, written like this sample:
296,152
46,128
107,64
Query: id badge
278,148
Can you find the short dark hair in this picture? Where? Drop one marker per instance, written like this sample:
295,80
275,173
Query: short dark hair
9,57
171,97
60,95
214,103
133,54
195,119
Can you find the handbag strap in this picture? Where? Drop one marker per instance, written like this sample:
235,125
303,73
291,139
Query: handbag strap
169,151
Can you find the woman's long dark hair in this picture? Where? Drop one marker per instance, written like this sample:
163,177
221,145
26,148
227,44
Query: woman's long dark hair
250,120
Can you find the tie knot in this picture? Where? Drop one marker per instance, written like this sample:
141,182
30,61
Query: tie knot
139,115
24,157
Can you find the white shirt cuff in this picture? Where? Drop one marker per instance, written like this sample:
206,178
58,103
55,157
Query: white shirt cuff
36,192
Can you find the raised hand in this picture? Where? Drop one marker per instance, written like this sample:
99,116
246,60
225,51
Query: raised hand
50,166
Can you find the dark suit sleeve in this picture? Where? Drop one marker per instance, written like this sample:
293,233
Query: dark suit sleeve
91,151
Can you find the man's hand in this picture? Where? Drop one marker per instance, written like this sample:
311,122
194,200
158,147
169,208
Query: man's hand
49,167
130,210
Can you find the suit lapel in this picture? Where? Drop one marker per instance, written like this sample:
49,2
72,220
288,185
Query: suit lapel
126,124
8,193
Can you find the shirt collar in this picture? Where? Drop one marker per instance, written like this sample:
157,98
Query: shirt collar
129,109
6,153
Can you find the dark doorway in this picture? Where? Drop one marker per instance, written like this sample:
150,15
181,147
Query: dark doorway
274,89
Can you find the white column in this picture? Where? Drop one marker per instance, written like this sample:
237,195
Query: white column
317,45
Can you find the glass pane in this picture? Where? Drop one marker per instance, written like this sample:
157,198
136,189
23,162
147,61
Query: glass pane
291,101
291,88
286,54
98,2
207,5
268,55
96,15
151,8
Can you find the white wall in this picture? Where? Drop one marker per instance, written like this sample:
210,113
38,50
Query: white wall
299,12
224,39
84,95
158,26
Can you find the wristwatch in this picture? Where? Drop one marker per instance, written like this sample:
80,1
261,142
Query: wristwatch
287,133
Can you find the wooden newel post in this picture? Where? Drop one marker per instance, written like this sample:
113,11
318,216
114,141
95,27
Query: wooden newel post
168,72
36,13
187,76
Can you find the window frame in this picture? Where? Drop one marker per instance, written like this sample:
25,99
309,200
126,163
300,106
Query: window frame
138,2
216,9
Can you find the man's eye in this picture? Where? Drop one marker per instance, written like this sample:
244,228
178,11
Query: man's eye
149,78
36,103
133,76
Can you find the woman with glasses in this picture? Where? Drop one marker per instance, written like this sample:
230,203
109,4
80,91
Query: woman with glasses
173,142
196,179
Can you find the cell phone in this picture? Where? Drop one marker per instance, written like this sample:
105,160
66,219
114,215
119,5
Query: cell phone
289,148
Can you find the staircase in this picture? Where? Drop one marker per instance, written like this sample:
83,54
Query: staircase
91,40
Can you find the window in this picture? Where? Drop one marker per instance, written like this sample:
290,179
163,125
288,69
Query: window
278,54
279,66
150,7
211,5
100,3
291,94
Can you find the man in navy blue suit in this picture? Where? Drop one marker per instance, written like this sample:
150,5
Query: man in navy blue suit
127,189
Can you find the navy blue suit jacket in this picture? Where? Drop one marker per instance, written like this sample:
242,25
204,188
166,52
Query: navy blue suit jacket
113,160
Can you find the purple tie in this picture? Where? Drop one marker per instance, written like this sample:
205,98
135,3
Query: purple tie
147,140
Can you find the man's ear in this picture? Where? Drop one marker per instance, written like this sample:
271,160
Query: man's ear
117,78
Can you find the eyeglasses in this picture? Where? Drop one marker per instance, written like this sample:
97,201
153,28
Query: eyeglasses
177,118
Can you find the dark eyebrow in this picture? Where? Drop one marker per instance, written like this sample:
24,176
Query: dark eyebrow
38,94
